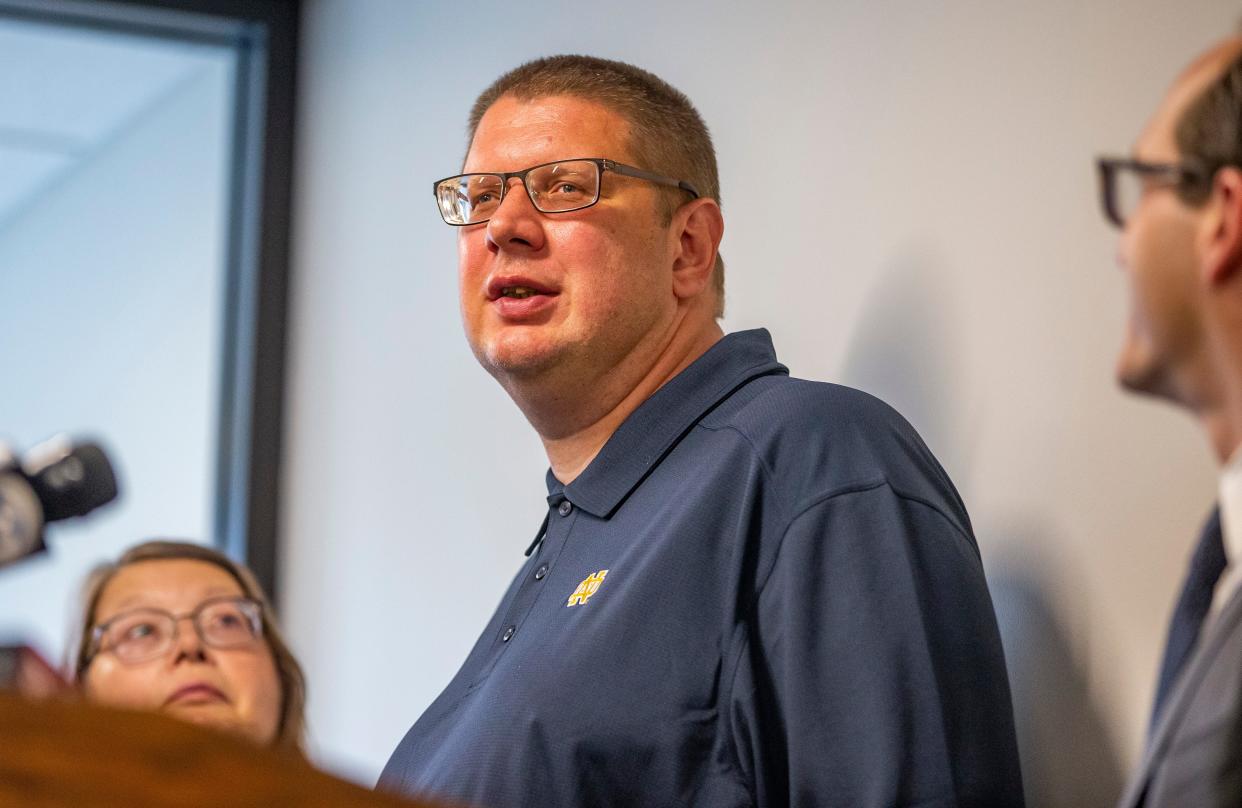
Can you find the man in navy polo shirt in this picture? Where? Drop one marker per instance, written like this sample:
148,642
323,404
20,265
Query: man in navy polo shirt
750,590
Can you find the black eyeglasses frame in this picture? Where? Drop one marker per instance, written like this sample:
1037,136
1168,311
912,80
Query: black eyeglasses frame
1183,175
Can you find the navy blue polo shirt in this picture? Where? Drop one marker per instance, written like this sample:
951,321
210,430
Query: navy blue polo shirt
763,591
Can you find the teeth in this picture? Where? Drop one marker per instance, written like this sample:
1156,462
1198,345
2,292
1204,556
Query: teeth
518,292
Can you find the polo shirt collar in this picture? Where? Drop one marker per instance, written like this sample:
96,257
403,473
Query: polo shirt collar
652,430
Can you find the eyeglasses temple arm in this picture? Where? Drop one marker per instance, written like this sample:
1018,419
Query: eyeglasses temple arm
630,171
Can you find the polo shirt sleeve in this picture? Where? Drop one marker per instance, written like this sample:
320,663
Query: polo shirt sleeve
870,672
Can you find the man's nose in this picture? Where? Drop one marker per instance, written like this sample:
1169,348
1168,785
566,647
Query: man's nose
515,224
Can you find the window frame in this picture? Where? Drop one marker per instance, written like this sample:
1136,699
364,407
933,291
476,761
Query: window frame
250,411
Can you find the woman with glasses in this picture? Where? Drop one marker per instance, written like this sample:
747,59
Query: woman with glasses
180,628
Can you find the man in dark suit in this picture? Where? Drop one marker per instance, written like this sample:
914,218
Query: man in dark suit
1178,201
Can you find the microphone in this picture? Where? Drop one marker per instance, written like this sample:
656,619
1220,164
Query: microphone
55,480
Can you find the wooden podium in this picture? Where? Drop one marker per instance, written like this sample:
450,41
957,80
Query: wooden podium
69,754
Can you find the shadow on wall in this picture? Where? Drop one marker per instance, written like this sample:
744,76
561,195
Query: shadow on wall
907,350
1068,760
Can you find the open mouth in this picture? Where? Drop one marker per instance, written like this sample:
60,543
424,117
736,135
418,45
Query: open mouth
516,287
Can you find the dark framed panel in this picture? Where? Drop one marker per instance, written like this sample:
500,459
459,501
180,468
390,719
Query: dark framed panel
250,420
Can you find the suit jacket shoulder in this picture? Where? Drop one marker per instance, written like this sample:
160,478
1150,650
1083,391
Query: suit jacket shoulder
1195,753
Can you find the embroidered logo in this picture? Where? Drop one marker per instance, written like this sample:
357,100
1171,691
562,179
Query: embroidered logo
588,587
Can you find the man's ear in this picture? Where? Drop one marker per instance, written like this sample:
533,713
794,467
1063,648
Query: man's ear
698,226
1220,236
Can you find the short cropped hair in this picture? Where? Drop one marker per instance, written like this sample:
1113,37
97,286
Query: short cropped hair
667,134
1210,130
291,729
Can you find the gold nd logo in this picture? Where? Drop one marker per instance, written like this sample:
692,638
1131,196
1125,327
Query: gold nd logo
588,587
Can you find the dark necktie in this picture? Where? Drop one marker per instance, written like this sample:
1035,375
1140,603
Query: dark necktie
1206,566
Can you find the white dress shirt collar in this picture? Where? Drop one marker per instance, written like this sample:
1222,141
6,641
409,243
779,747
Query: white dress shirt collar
1231,530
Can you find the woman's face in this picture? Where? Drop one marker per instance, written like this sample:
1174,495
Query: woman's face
235,689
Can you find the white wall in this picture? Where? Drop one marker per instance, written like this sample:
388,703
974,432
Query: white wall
957,265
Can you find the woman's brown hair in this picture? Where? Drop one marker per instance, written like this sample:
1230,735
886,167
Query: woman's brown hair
292,724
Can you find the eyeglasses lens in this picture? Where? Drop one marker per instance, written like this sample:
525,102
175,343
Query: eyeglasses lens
140,636
1127,191
228,624
564,186
468,198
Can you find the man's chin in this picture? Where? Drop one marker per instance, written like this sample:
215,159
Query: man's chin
1142,376
1133,381
516,359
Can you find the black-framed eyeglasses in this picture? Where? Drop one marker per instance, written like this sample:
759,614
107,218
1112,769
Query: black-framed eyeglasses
1124,181
558,187
144,634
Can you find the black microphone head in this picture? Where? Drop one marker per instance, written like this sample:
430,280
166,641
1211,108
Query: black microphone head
75,483
21,518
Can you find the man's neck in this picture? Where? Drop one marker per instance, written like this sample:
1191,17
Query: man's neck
575,425
1221,434
1220,406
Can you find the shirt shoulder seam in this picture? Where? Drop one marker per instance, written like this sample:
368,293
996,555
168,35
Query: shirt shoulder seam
859,487
852,487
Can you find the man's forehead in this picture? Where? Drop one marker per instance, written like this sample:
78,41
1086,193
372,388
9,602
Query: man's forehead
1159,134
551,127
1212,63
